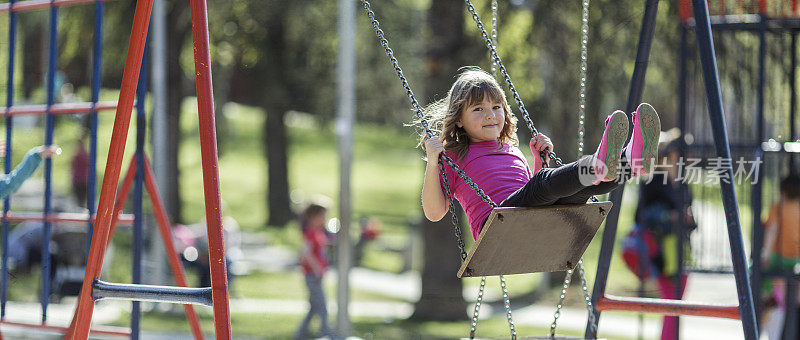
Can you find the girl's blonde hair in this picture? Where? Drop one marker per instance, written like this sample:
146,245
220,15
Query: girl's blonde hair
471,86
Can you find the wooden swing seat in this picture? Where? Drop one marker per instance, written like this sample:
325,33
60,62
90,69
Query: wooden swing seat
532,240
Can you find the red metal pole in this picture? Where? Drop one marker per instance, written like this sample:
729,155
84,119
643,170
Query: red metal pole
79,329
122,197
762,6
208,149
166,235
101,331
665,307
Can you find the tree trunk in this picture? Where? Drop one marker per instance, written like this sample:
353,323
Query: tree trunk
31,33
278,174
276,104
178,26
441,290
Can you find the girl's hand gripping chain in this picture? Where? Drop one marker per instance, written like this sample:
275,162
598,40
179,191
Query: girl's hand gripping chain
434,146
539,144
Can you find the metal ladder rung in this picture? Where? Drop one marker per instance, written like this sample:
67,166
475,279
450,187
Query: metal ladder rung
98,330
31,5
139,292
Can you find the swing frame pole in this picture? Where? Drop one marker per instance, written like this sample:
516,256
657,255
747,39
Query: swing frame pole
716,114
612,221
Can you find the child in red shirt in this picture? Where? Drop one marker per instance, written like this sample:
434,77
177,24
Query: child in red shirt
314,263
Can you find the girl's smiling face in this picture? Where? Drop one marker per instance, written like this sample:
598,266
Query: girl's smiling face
483,121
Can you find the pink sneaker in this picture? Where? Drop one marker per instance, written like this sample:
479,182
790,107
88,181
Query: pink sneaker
608,152
642,150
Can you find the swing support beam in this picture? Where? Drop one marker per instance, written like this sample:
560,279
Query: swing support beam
745,310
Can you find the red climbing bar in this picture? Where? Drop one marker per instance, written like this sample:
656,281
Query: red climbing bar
208,150
82,319
31,5
665,307
122,197
762,6
99,331
166,235
127,219
68,108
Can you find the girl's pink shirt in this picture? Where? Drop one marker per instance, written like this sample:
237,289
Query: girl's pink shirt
499,170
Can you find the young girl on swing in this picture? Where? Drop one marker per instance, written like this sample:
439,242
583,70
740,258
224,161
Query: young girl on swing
478,131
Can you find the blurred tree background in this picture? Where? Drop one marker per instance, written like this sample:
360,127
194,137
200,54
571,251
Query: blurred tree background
280,56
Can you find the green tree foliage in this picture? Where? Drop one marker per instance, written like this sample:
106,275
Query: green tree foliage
281,55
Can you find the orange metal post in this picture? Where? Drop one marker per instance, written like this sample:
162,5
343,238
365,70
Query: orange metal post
166,236
208,150
665,307
79,329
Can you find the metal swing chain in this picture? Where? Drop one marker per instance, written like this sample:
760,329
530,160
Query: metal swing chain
494,34
418,108
587,297
557,314
453,214
496,60
443,159
584,57
581,133
506,299
581,130
477,309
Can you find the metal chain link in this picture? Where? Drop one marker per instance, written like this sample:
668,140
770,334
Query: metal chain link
557,314
507,305
584,57
587,297
477,309
494,34
499,62
415,104
453,214
581,132
506,299
444,159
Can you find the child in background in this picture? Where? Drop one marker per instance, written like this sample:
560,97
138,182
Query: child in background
478,131
781,248
314,263
12,181
80,171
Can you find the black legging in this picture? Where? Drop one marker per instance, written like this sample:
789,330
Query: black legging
561,185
